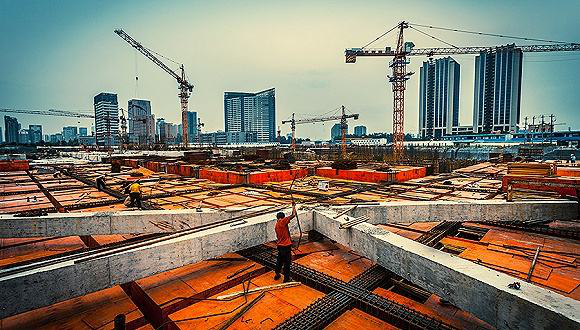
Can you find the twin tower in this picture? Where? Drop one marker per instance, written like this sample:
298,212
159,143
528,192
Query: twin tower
496,101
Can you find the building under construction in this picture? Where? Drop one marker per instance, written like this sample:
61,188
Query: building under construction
480,246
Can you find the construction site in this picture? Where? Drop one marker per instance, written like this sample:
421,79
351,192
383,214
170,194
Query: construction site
491,245
118,236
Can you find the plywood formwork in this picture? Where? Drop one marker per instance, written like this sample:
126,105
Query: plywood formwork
182,191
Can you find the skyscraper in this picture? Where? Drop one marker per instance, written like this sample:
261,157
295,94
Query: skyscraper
12,129
106,119
69,133
251,112
438,97
141,122
498,79
35,133
160,130
336,131
192,126
360,130
23,136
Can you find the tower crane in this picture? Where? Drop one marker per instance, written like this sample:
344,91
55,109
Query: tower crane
404,49
185,88
49,112
343,126
199,126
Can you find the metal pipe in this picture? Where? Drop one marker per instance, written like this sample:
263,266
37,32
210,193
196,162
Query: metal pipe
533,265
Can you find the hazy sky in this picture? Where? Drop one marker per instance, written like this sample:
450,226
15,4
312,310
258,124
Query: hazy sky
59,54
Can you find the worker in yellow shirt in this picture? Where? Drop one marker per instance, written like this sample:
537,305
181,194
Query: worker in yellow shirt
135,194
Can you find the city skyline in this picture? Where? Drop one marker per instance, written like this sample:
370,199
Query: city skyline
90,58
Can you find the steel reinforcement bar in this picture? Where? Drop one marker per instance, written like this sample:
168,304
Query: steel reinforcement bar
364,299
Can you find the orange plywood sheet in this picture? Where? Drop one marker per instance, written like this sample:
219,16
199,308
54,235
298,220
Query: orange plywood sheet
274,308
463,319
35,250
357,319
512,252
339,264
402,232
93,311
446,316
188,280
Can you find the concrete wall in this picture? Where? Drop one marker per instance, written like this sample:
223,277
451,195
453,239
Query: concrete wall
477,289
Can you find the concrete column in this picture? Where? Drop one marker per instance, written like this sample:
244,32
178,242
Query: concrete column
26,288
477,289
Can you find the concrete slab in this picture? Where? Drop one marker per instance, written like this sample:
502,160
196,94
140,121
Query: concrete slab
477,289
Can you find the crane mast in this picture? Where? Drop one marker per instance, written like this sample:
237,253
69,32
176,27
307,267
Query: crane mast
343,126
399,79
400,75
185,88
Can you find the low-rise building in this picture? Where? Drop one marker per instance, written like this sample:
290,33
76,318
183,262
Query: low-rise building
369,142
223,138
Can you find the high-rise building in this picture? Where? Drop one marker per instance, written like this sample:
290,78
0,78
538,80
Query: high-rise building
360,130
55,138
251,112
69,133
438,98
160,130
23,136
106,119
167,132
83,131
498,80
12,129
35,133
192,126
141,122
336,131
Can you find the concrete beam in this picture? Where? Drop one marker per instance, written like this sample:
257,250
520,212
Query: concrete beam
477,289
26,288
111,223
481,210
167,221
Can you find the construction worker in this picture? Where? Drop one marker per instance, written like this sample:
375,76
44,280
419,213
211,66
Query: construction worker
101,182
284,244
135,194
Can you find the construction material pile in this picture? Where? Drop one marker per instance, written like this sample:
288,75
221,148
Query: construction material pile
540,169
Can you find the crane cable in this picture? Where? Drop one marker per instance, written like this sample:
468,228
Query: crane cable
433,37
487,34
379,37
297,220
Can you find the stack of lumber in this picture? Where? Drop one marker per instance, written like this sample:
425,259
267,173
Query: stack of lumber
542,169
